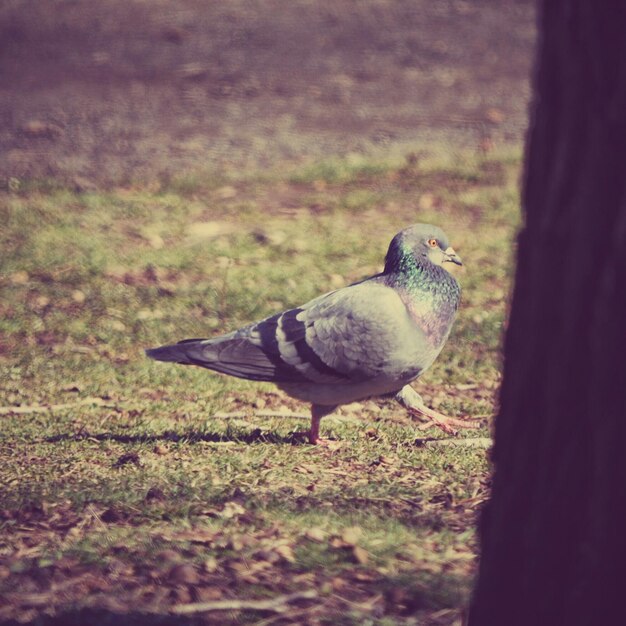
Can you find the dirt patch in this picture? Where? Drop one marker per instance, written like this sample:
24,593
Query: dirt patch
116,91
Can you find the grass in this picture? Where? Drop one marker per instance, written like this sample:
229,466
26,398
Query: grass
132,497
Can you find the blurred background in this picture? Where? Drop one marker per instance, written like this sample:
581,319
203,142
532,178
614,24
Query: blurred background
124,91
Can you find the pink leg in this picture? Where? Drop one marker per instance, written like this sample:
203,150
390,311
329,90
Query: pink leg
408,397
317,412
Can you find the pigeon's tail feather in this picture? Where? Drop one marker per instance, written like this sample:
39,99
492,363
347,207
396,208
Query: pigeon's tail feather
176,353
229,354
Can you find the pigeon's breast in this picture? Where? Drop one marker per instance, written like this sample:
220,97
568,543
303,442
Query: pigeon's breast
434,321
433,310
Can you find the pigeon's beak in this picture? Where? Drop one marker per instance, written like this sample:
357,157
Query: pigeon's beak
452,256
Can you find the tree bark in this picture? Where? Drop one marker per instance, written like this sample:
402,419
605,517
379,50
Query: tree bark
553,534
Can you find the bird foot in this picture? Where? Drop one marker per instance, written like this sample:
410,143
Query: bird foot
448,424
314,439
311,436
410,399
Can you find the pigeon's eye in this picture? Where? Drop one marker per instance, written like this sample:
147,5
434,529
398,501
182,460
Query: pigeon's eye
433,243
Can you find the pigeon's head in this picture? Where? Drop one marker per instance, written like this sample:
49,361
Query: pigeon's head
423,243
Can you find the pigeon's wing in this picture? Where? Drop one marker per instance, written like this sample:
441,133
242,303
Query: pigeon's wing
251,352
360,332
352,334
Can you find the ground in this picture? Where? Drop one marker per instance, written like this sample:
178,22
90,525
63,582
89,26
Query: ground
169,177
119,91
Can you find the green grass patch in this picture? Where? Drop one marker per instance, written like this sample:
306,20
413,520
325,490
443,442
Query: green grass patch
130,494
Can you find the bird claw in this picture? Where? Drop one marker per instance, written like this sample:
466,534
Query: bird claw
305,436
415,405
449,430
449,425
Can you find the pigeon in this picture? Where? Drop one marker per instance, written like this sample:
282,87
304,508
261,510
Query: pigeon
371,338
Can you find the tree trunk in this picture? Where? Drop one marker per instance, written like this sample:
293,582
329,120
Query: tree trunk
553,534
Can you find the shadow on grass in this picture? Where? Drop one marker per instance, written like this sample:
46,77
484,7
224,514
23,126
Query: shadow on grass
255,436
104,617
441,605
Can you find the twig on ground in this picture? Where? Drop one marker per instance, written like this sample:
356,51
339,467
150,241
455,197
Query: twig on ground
470,442
277,604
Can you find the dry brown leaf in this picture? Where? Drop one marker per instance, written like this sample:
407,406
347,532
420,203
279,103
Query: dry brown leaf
232,509
360,554
236,544
19,278
195,535
338,583
286,553
184,574
208,594
315,534
210,565
168,555
495,115
78,296
351,535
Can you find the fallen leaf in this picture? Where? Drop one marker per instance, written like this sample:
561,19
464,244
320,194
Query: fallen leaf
360,554
210,565
338,583
351,535
39,128
494,115
286,553
426,201
184,574
192,71
336,281
236,544
156,241
209,230
208,594
78,296
20,277
226,192
315,534
168,555
231,509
